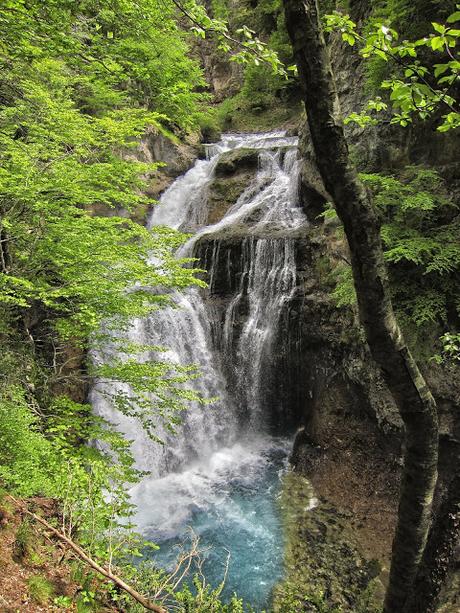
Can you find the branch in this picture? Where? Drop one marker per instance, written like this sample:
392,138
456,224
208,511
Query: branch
221,32
145,602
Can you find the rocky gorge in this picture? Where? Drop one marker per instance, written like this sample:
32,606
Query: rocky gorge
321,379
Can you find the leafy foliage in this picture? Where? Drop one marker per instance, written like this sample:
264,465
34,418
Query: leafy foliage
47,458
263,88
417,89
450,348
420,233
240,44
420,237
80,83
118,55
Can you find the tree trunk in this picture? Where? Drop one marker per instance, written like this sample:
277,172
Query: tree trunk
355,210
439,552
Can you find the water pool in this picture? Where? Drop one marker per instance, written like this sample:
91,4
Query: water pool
230,503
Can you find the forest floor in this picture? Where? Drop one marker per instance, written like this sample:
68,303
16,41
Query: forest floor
36,573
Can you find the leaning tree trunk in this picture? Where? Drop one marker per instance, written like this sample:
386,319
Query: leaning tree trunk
354,208
439,551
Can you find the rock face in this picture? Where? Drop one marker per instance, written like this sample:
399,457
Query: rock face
386,149
336,370
234,172
175,157
321,367
350,422
325,570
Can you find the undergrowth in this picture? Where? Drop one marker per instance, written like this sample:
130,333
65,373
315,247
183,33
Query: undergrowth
420,229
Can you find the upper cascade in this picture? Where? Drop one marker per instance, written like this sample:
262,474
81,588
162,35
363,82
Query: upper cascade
258,140
183,205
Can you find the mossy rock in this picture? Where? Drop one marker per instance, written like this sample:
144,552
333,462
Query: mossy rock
234,172
224,192
324,569
236,160
210,133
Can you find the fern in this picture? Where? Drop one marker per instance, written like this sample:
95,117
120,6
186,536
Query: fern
420,233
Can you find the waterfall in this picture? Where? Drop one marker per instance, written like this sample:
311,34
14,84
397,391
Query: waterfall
228,438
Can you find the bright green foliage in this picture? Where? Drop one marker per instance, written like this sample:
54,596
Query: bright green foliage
263,87
450,348
416,88
74,102
63,602
420,233
241,44
344,292
207,600
80,82
199,597
47,458
412,16
157,390
59,164
119,54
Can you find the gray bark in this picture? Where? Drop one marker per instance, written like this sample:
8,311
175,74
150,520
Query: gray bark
354,208
439,552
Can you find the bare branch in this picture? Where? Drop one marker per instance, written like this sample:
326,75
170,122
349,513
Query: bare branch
145,602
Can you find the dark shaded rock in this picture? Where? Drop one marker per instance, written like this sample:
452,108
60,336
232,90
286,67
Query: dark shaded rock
225,190
238,159
210,133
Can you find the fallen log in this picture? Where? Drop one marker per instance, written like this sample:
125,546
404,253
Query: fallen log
145,602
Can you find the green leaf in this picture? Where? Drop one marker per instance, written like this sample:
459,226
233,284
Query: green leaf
438,27
453,17
437,43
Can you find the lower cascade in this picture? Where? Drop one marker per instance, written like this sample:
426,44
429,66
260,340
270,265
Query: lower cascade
219,473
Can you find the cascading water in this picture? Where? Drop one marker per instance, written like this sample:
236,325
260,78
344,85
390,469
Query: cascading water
219,473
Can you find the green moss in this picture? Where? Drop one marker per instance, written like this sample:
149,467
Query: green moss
236,114
24,541
324,570
40,589
209,128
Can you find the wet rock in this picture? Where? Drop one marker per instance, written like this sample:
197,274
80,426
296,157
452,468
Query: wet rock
175,157
324,568
237,160
225,190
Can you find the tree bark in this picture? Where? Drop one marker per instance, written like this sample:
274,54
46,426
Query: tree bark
439,552
387,345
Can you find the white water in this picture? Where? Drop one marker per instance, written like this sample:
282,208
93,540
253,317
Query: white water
190,474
